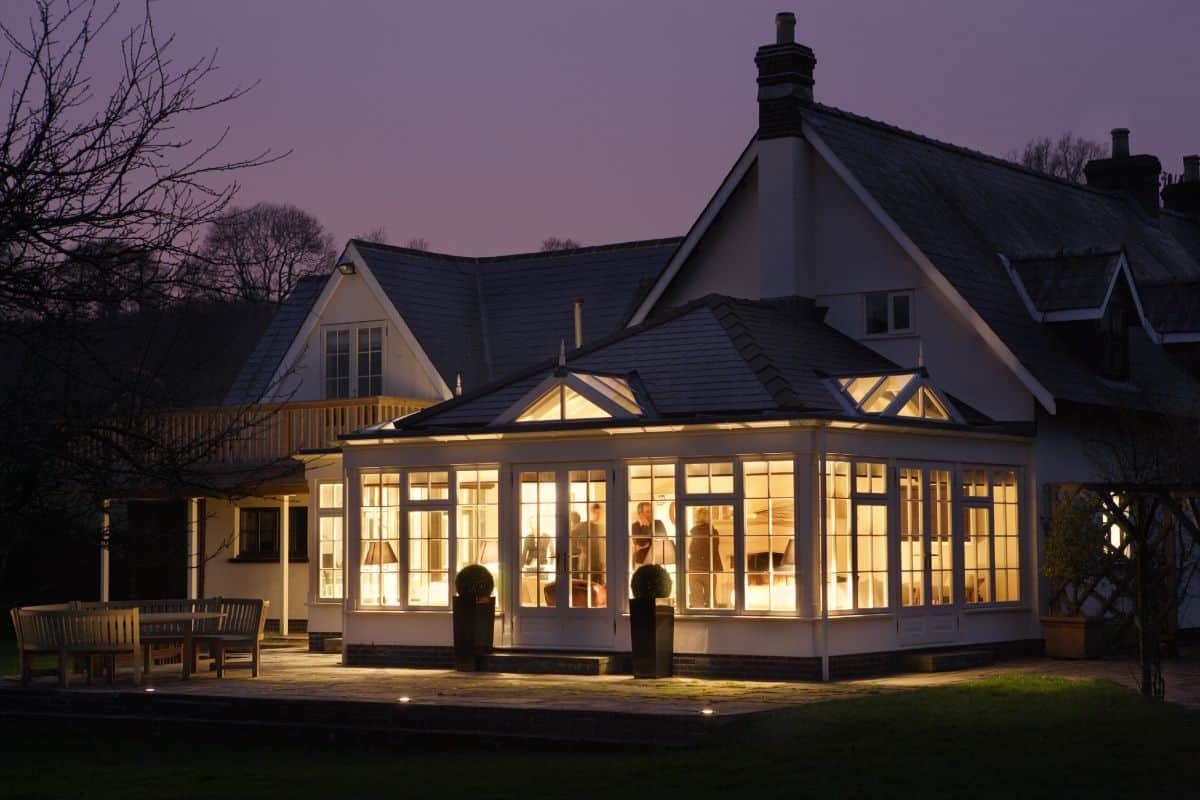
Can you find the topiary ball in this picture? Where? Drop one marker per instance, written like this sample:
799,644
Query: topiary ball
474,580
650,581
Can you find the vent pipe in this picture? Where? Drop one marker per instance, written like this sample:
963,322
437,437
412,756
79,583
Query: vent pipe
577,305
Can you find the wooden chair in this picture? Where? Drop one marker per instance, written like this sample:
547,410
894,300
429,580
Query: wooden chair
163,642
240,631
39,632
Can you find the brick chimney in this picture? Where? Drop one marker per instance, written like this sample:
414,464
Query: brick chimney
1183,195
785,89
785,80
1136,175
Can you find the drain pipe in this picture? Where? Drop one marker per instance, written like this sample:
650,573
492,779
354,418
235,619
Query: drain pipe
822,447
577,304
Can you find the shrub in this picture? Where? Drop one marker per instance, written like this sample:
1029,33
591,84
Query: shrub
650,580
1073,550
474,580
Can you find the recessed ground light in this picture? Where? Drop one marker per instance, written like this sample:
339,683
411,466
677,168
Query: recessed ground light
708,712
149,688
403,699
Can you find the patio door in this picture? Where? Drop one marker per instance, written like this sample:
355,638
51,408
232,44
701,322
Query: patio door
564,559
928,615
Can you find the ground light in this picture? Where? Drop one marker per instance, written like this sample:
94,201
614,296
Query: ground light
708,712
403,699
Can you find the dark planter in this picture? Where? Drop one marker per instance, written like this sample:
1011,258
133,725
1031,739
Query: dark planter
1073,637
652,634
474,622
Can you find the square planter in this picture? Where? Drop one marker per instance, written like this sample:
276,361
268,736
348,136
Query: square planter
474,624
1073,637
652,634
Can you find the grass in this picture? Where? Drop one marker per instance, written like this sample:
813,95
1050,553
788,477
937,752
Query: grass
1028,735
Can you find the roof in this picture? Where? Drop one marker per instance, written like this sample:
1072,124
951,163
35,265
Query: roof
712,359
253,380
1068,281
963,209
483,318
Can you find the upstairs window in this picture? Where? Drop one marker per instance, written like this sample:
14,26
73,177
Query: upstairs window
888,312
360,369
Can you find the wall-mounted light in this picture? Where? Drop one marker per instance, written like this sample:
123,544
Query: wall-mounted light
346,266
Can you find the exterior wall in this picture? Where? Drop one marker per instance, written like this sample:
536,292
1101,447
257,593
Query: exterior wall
804,634
843,252
227,578
354,303
726,259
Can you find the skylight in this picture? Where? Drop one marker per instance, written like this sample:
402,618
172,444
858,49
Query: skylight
904,394
570,396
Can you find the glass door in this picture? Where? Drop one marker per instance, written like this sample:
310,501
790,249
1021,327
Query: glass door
563,559
926,557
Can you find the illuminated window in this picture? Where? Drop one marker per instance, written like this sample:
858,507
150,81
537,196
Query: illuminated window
652,517
770,535
941,552
710,530
538,519
924,404
912,539
856,535
429,558
330,541
575,396
716,478
478,533
423,486
588,515
991,536
380,546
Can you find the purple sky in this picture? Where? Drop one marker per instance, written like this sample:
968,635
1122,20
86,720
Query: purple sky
486,126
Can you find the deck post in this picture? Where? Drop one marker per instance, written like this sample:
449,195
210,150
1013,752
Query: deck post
285,543
193,547
105,541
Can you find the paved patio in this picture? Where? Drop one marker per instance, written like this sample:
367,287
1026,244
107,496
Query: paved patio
295,674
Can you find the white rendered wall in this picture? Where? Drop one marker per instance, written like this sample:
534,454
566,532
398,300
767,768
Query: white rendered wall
352,304
226,578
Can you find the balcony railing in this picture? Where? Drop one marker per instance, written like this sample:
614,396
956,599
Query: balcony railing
264,433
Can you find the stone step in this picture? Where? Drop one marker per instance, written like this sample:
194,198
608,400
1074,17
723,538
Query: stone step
947,660
332,644
553,663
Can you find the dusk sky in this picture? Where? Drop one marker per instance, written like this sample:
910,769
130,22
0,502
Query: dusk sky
485,127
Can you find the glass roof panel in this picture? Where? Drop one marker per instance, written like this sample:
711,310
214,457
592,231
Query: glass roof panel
882,397
857,388
576,406
933,408
547,408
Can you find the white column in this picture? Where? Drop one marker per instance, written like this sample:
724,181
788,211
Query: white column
284,545
193,547
105,538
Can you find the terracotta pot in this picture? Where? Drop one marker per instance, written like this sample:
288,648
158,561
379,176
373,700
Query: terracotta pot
652,634
1073,637
474,624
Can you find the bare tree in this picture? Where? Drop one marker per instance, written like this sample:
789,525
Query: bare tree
417,243
259,253
378,234
1064,157
552,243
102,201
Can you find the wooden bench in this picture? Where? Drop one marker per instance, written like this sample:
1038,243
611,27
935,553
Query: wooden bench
89,634
240,630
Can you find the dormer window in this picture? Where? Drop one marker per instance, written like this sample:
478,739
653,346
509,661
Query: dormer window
888,312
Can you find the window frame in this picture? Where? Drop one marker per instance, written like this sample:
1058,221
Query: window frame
890,500
408,506
961,503
353,332
684,500
891,329
295,556
321,512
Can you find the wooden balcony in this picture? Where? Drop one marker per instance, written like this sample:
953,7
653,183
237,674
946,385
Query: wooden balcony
262,434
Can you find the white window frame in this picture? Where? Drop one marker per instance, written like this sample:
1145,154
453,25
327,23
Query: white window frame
320,513
685,499
450,506
892,330
353,331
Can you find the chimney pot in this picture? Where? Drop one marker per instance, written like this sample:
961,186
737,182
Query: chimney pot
1191,169
785,28
1120,142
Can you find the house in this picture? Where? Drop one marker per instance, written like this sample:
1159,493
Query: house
832,410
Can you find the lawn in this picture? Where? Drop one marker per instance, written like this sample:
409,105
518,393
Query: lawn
1011,736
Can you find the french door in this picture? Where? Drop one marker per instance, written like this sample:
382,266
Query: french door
566,583
928,614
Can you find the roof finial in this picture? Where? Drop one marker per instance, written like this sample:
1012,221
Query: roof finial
562,352
458,384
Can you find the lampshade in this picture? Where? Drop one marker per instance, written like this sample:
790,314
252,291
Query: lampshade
379,553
